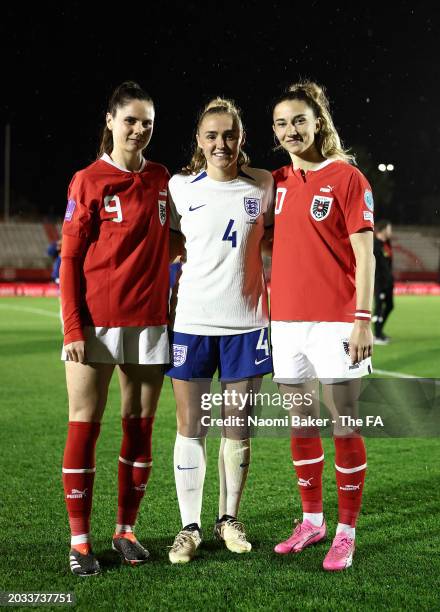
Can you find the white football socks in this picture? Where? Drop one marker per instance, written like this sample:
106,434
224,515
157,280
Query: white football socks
124,528
189,474
233,466
316,518
348,529
84,538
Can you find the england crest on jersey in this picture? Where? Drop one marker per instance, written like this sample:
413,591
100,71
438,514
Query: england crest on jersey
252,206
320,208
179,354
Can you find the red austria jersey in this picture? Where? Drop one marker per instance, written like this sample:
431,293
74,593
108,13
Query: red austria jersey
114,270
313,264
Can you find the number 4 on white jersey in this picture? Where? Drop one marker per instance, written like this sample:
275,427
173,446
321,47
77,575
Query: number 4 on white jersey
263,344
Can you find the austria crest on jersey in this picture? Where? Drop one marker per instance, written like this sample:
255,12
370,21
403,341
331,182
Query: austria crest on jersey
252,206
320,208
162,208
179,354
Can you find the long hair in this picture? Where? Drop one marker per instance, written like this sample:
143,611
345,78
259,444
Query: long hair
327,140
124,93
217,106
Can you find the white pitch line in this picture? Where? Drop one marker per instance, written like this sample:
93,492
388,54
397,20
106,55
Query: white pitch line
402,375
395,374
39,311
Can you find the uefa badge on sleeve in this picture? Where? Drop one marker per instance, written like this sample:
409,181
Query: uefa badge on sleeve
71,204
162,211
252,206
320,208
179,354
368,199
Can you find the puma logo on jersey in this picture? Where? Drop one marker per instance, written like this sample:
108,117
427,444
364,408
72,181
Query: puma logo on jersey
327,189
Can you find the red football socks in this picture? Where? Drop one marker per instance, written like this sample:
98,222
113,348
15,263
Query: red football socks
135,463
79,473
308,459
351,465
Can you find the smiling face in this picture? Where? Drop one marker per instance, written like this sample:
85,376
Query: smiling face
219,137
131,127
295,126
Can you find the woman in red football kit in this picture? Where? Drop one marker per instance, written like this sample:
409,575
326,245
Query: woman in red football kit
114,293
321,294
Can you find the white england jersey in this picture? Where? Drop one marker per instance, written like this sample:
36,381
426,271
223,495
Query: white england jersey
222,290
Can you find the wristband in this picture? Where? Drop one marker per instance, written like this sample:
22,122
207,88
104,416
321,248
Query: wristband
362,315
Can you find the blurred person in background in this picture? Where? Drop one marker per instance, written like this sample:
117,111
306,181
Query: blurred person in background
384,281
54,252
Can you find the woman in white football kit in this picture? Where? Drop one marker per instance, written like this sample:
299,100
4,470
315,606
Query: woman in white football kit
321,294
221,207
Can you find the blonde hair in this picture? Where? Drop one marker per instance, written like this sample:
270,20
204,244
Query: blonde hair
217,106
327,140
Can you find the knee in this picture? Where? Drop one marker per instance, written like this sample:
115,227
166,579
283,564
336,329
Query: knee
190,428
85,412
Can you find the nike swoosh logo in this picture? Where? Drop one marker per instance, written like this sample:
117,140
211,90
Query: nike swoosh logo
191,208
258,361
179,467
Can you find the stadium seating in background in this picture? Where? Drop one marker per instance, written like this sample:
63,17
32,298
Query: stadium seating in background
23,251
416,253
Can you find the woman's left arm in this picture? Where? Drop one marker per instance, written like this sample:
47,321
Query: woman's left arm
361,339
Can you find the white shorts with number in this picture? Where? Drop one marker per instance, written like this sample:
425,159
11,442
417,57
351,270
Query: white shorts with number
138,345
304,350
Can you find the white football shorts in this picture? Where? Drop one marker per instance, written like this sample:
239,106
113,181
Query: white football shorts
138,345
304,350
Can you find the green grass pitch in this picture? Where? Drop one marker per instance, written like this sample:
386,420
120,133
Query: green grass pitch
397,562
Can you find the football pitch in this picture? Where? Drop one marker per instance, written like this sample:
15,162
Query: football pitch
397,562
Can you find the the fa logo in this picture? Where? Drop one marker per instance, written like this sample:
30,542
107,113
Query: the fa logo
320,208
179,354
252,206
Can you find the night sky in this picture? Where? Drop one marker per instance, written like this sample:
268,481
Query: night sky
380,67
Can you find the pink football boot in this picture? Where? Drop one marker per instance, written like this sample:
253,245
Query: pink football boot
340,555
304,535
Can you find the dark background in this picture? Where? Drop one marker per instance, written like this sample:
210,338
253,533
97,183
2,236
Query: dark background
380,66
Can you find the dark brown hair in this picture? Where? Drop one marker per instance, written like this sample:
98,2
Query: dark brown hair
124,93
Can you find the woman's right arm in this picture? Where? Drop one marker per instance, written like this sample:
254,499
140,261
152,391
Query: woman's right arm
76,229
70,303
